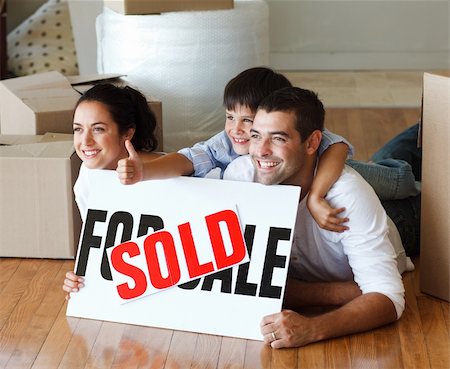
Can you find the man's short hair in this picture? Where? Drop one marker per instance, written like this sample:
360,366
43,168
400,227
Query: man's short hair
308,109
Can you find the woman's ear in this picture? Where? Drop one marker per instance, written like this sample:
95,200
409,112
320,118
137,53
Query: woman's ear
313,142
130,133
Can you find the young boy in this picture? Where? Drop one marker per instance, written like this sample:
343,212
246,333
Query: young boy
242,96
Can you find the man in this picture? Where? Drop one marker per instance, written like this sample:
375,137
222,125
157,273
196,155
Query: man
357,270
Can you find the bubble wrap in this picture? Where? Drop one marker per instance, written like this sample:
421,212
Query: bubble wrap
185,60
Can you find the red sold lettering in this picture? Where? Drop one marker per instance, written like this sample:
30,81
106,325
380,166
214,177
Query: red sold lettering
237,240
159,250
194,267
170,253
133,272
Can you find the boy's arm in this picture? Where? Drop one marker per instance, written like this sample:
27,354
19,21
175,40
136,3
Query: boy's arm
167,166
329,168
197,160
135,168
212,153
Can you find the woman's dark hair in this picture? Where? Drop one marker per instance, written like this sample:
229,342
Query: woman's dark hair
129,109
251,86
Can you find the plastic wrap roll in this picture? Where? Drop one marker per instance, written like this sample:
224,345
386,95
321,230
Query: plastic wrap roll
185,60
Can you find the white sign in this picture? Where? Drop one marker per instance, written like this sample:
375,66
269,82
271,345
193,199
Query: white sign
190,225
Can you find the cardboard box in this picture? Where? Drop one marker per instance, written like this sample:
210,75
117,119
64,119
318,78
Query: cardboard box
137,7
44,102
38,214
37,104
435,212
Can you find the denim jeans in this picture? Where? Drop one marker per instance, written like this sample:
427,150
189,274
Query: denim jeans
403,147
395,174
391,179
405,214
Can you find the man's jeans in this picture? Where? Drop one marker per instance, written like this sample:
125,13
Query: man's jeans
403,147
390,178
395,174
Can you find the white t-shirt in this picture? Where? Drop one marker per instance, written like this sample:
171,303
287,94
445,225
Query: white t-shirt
370,252
81,190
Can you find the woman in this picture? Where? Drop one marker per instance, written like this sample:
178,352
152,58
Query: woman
106,119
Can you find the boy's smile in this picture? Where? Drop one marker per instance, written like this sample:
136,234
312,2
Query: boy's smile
237,127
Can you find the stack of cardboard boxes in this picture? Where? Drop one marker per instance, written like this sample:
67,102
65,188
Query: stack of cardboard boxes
38,163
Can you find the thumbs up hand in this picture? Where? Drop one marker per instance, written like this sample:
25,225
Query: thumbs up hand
131,169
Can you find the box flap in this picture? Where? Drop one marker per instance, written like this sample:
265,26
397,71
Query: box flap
52,100
19,139
53,137
92,78
48,93
61,149
29,139
39,81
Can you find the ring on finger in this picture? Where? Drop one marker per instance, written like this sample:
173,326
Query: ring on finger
273,336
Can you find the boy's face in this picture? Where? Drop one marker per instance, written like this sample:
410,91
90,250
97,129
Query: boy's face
238,123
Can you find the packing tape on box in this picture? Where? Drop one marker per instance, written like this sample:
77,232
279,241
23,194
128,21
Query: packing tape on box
185,60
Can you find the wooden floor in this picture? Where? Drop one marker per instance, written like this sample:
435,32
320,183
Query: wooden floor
35,333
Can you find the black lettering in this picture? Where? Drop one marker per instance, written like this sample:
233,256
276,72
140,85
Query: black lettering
89,240
120,217
190,285
272,260
149,221
225,276
242,286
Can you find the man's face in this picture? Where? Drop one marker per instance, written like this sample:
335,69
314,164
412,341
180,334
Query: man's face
276,149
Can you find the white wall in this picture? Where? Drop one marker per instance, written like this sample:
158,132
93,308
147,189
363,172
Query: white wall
359,34
318,35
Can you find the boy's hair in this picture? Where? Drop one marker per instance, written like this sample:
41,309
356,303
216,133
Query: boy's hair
251,86
129,109
305,104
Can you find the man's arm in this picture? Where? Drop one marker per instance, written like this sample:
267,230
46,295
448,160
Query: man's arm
363,313
372,260
300,293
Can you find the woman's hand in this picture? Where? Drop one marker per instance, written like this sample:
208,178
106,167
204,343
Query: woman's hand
72,283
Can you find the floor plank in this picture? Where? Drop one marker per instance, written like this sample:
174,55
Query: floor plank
16,324
81,344
57,341
8,267
232,354
257,355
207,352
37,329
181,350
435,332
143,347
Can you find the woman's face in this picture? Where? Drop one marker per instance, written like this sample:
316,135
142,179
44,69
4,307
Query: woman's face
96,138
